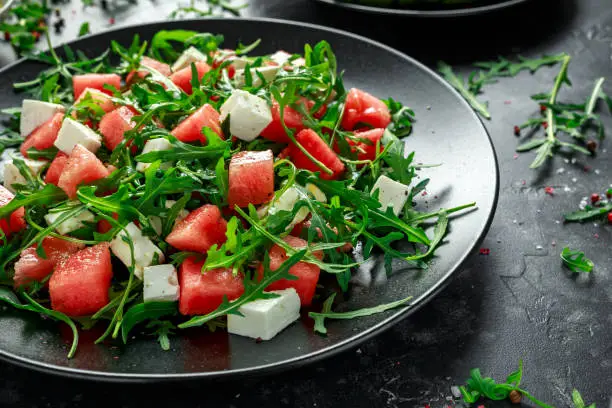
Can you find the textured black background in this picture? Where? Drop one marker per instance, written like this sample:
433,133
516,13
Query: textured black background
517,302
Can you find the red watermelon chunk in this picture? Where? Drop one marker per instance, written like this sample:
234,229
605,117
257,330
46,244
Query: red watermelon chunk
200,230
367,151
97,97
361,107
317,147
56,168
30,267
159,66
14,222
251,178
114,124
95,81
182,78
293,120
82,167
190,129
79,285
308,274
43,136
202,293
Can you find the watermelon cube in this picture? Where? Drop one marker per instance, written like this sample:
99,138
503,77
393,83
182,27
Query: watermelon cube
362,108
182,77
190,129
202,293
99,98
200,230
317,147
15,221
82,167
307,274
95,81
56,168
251,178
30,267
364,150
79,285
292,118
43,136
159,66
114,124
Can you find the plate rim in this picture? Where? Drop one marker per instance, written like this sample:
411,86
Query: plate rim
458,12
306,359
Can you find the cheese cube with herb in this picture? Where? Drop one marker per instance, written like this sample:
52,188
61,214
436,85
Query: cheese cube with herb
189,56
288,200
12,175
155,145
265,318
160,284
72,133
34,113
391,193
268,73
70,224
146,253
248,115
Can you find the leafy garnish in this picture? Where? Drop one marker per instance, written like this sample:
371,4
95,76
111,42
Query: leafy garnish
145,311
576,260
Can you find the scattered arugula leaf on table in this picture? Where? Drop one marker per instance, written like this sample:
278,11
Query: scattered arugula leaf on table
576,260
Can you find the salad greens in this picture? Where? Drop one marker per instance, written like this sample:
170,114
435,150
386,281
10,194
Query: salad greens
576,260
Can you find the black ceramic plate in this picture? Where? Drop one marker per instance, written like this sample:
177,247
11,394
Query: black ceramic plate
427,10
446,132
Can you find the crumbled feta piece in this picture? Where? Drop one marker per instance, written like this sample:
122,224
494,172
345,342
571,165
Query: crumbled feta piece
287,201
391,193
72,133
13,176
144,249
34,113
268,72
70,224
265,318
155,145
189,56
248,114
160,284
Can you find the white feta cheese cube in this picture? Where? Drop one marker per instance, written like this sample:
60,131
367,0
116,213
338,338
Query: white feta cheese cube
238,62
265,318
13,176
34,113
189,56
160,284
268,72
287,201
248,114
144,249
72,133
155,145
391,193
280,57
70,224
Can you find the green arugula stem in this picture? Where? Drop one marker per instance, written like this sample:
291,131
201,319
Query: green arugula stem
550,118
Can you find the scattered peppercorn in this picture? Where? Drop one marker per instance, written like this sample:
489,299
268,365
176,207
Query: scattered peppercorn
111,20
258,340
592,146
545,124
610,217
515,396
517,130
485,251
549,190
7,36
542,108
609,193
594,198
36,35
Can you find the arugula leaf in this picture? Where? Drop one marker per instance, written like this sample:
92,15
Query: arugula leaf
578,401
576,261
327,314
48,195
145,311
588,214
84,29
162,329
319,326
458,83
215,148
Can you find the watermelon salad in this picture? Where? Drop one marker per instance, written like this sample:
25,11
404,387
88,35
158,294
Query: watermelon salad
178,183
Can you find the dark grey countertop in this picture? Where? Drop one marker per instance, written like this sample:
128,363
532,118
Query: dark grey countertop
515,303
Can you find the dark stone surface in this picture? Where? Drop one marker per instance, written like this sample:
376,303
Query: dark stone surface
517,302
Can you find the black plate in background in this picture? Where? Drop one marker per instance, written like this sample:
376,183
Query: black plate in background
447,131
478,7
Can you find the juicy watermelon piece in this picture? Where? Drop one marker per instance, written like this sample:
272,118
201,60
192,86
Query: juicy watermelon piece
99,98
159,66
95,81
367,151
201,293
79,285
251,178
308,274
182,78
190,129
82,166
317,147
104,226
14,222
43,136
56,168
30,267
114,124
200,230
361,107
